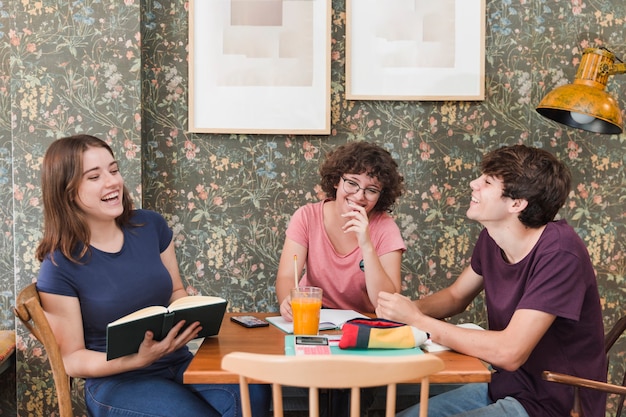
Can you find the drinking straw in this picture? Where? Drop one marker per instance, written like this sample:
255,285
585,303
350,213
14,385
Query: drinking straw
295,269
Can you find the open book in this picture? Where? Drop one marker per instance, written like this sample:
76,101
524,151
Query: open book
430,346
330,319
124,335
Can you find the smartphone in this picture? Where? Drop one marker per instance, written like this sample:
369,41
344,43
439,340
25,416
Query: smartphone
249,321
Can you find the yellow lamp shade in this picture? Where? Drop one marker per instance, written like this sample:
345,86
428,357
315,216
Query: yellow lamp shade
584,104
569,104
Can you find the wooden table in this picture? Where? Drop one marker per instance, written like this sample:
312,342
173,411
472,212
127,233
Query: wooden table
206,367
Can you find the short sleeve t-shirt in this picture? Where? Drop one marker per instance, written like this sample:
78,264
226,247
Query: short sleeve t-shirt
111,285
340,276
556,277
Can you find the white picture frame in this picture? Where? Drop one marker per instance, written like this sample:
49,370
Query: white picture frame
415,50
259,67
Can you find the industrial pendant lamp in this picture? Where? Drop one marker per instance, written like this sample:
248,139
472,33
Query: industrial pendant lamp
584,104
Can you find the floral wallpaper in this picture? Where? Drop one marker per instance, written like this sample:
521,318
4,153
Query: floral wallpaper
75,66
6,198
118,70
8,378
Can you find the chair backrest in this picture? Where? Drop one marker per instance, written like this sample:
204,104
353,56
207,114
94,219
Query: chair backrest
28,309
331,371
618,329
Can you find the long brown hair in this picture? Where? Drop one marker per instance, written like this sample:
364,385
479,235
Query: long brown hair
65,227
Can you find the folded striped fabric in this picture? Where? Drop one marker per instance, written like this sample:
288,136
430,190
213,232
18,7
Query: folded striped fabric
379,334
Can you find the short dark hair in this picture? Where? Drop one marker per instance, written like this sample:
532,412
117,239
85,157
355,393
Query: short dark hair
363,157
534,175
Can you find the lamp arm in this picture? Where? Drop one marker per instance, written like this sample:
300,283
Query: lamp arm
619,68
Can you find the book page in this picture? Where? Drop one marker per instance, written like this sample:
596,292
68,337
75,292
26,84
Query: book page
334,318
144,312
194,301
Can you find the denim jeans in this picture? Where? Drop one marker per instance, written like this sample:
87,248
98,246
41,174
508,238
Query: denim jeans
471,400
161,393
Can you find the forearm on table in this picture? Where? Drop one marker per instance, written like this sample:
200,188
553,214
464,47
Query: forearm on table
499,348
472,342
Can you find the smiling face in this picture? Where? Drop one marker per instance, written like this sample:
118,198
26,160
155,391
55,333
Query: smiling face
487,204
100,192
364,182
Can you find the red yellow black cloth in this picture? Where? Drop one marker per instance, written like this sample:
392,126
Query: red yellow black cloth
378,334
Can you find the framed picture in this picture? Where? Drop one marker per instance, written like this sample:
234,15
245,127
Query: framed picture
259,66
415,50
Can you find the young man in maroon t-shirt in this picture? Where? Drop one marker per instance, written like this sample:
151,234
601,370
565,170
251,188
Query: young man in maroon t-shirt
541,295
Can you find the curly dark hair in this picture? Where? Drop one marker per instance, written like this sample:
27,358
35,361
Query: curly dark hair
358,158
534,175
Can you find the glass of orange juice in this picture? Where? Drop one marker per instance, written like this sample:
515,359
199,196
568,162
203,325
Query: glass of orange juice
306,303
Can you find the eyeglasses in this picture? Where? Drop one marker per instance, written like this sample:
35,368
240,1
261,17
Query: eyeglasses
351,187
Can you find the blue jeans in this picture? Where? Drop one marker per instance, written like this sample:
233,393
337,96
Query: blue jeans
161,393
471,400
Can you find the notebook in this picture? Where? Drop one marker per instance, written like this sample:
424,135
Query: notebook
330,319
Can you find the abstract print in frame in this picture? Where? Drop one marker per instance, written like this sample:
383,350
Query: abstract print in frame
259,66
415,50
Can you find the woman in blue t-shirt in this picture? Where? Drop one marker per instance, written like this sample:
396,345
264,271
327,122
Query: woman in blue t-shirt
102,260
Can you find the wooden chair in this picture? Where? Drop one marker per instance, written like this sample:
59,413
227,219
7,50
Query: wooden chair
7,349
28,310
331,371
609,340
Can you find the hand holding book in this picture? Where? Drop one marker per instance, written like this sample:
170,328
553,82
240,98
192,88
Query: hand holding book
125,335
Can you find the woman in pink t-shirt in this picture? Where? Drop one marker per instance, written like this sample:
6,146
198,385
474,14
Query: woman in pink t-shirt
348,244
